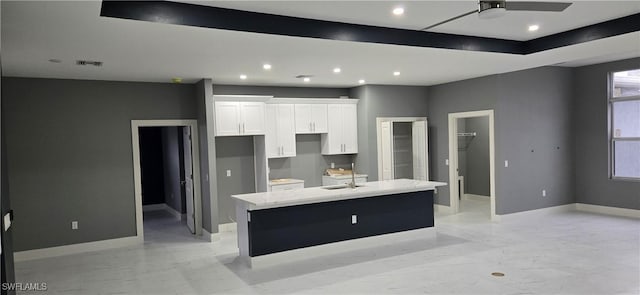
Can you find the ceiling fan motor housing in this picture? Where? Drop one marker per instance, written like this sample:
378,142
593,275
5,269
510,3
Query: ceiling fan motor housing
491,9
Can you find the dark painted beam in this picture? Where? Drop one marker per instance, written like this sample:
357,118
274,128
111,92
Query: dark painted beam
238,20
245,21
615,27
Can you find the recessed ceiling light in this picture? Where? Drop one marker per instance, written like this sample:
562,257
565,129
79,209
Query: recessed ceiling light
398,11
243,77
361,81
533,28
337,70
266,66
306,79
396,73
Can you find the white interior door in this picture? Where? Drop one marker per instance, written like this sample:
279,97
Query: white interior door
419,142
188,177
386,135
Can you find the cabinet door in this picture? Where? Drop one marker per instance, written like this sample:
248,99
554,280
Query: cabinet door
303,118
350,128
286,130
319,118
271,131
227,118
252,118
332,141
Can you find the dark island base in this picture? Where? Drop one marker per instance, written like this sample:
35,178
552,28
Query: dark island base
287,228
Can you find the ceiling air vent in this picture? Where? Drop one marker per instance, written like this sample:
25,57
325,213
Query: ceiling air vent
89,63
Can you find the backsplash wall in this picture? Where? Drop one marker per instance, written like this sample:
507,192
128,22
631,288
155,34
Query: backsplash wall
308,164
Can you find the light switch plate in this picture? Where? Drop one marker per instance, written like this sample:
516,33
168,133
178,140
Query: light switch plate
354,219
228,173
506,163
446,162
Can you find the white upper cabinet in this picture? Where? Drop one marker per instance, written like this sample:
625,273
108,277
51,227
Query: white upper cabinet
311,118
342,130
252,118
280,136
239,118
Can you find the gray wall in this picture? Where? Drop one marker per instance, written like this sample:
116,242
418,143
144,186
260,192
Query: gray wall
308,164
171,158
300,92
70,154
382,101
233,153
533,132
207,146
593,185
476,156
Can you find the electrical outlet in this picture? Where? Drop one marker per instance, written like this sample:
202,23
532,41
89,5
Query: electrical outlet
435,190
74,225
333,165
544,192
446,162
354,219
506,163
228,173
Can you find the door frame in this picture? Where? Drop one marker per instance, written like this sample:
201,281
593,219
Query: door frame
137,176
379,121
454,204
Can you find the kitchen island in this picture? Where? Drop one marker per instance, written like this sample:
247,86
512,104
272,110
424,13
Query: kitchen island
273,222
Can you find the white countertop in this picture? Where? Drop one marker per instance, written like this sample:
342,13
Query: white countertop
318,194
345,176
285,181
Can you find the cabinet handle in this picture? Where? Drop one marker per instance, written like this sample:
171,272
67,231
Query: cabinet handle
314,126
310,128
243,130
239,129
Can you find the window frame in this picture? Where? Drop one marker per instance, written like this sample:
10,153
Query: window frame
611,135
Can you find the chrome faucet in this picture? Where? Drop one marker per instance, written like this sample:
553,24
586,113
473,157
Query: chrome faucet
353,176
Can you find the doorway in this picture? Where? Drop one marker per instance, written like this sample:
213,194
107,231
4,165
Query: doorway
472,160
175,190
402,148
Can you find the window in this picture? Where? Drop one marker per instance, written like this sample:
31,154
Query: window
624,121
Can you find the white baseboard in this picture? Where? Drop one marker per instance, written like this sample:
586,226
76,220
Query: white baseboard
76,248
209,237
536,212
154,207
476,197
228,227
623,212
437,208
173,212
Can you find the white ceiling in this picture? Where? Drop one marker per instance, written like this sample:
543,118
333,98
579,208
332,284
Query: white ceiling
34,32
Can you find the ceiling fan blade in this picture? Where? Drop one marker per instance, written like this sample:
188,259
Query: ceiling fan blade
448,20
537,6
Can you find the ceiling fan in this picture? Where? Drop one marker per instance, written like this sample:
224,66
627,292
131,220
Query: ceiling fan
493,9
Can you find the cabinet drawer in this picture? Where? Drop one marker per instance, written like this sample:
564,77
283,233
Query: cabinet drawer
288,186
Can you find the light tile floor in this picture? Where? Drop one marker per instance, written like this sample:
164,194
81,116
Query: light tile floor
568,253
